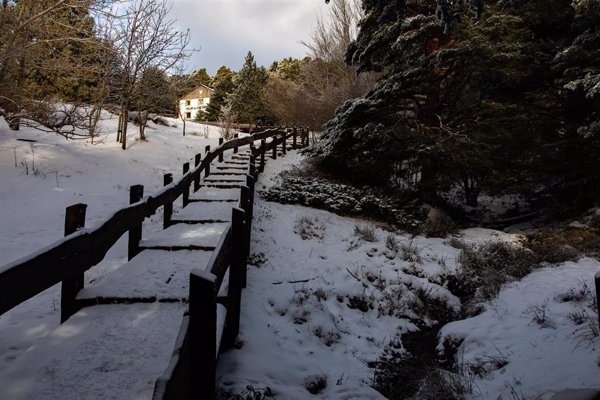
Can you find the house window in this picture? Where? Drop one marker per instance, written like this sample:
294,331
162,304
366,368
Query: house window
187,102
188,115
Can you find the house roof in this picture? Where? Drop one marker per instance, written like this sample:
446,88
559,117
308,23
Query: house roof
199,93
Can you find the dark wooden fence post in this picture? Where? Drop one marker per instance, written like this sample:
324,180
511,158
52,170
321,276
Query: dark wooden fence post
207,170
274,143
245,205
136,192
305,140
263,149
203,334
186,191
236,276
197,161
235,149
74,220
294,138
284,143
206,148
252,153
221,153
168,207
597,281
250,209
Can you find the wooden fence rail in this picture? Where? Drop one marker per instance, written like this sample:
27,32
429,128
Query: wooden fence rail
212,321
81,250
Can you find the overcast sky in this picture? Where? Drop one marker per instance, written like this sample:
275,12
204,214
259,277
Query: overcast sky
224,30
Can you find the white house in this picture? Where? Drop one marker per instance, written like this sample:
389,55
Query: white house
195,101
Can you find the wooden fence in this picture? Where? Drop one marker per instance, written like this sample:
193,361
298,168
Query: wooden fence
212,320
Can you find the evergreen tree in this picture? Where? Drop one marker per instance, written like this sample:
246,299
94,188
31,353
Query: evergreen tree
247,99
468,98
223,88
201,77
223,73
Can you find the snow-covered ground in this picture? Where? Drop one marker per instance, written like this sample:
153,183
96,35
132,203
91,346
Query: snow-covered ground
41,178
322,300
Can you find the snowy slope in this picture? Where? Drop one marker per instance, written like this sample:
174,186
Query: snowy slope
69,172
321,303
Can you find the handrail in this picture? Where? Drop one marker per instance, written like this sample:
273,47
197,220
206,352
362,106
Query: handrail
71,256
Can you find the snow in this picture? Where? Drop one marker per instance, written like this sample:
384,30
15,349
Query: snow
150,274
542,356
320,301
88,358
201,235
76,171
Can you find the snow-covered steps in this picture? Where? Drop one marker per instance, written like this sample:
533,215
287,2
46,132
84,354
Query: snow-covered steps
186,237
231,166
227,172
208,194
101,352
225,178
152,275
235,162
223,185
207,212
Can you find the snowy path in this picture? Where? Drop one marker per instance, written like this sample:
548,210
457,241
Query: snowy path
118,345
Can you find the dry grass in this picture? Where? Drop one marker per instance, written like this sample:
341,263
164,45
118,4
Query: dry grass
560,245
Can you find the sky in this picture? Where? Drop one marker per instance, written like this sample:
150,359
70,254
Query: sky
225,30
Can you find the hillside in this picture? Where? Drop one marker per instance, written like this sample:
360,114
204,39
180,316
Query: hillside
328,297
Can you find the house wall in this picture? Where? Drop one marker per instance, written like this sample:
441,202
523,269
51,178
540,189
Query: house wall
195,102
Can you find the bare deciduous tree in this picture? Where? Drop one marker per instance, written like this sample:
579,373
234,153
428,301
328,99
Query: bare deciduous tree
325,81
45,52
146,37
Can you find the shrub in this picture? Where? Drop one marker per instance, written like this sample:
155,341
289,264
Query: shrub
365,233
486,267
309,228
315,384
317,192
391,242
438,224
560,245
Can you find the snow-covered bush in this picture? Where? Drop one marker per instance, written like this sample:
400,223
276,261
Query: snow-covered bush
559,245
309,228
342,199
486,267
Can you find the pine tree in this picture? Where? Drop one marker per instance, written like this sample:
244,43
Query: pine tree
470,98
247,99
223,88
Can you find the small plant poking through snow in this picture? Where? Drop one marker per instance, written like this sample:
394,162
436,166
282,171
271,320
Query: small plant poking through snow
539,314
315,384
257,259
582,293
251,393
411,252
391,242
579,316
365,233
309,228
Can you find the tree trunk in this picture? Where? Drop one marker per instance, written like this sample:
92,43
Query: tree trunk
143,118
125,118
426,188
120,127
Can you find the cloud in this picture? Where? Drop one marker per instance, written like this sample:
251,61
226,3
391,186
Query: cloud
225,30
